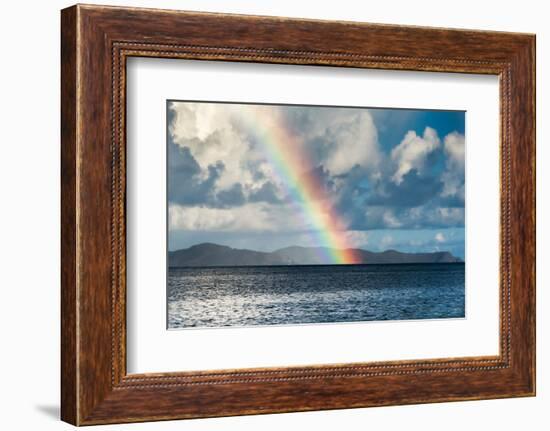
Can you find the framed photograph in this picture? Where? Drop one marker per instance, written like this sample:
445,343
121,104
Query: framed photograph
264,214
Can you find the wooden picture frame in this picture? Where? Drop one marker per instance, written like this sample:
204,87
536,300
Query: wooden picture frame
96,41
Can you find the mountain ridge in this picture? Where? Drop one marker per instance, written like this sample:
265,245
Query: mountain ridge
211,254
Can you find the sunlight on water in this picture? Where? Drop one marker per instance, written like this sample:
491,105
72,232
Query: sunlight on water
246,296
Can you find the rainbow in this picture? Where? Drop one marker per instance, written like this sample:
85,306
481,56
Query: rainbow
285,153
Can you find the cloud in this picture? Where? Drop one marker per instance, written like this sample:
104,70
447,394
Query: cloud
249,217
432,216
453,177
267,192
213,155
188,183
386,241
355,134
209,133
357,238
425,216
413,190
213,163
419,240
219,176
412,152
330,135
232,196
455,149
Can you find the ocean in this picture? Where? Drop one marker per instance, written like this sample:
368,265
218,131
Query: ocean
288,295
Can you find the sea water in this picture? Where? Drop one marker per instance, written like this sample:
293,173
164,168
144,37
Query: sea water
281,295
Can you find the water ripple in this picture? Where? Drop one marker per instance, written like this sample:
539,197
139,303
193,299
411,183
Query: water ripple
246,296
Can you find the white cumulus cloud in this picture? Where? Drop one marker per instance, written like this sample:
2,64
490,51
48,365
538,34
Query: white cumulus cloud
352,141
439,237
453,177
251,217
208,131
411,153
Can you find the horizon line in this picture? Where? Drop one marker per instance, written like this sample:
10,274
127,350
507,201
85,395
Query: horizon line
314,247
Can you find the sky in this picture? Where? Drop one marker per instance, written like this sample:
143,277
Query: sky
264,177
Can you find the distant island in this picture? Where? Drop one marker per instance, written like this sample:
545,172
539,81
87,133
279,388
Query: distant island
208,254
